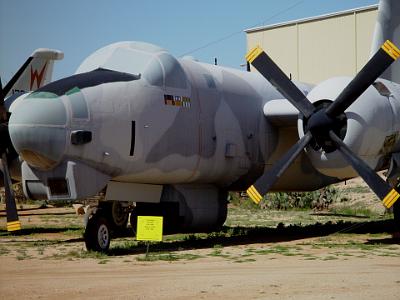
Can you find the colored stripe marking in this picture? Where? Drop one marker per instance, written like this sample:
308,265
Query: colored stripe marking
391,49
391,198
394,48
253,54
254,194
14,226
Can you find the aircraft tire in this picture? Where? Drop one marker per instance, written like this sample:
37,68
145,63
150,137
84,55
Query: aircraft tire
97,234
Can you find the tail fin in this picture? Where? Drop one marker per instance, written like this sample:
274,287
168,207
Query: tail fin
387,27
34,73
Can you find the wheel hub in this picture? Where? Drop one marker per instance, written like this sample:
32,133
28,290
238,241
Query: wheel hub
103,236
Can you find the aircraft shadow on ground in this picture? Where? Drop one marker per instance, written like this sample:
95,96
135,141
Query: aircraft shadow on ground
36,212
235,236
338,215
232,236
39,230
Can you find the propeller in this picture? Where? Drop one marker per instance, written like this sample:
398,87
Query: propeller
13,223
324,124
7,151
266,66
6,148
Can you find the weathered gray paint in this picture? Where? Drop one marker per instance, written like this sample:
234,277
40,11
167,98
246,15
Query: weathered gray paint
231,131
387,27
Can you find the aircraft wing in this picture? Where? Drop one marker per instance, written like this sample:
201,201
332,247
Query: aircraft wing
281,113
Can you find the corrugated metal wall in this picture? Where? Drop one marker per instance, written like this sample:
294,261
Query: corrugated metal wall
315,50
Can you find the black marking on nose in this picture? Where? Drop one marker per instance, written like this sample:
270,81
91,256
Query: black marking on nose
133,129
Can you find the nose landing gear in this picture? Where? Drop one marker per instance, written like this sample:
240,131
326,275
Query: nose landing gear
105,221
97,233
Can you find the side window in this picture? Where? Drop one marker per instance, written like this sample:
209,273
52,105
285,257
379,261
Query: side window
78,104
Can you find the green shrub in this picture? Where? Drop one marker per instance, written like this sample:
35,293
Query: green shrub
320,199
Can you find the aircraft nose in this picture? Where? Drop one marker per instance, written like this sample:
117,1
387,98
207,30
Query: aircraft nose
37,128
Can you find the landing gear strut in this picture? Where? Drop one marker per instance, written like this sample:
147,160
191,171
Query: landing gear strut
116,213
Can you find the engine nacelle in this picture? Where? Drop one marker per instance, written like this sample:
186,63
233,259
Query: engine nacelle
188,208
372,131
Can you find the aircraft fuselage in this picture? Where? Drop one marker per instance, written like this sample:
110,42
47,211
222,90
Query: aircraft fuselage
146,117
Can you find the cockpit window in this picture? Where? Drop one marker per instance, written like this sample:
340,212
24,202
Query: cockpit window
84,80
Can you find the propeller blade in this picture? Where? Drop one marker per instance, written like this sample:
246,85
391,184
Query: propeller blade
267,180
266,66
382,189
3,113
382,59
14,79
13,223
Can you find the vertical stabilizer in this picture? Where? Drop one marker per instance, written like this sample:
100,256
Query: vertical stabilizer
34,73
387,27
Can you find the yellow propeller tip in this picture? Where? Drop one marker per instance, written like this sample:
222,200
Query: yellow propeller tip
253,54
391,49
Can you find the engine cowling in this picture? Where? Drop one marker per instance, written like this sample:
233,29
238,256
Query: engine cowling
371,128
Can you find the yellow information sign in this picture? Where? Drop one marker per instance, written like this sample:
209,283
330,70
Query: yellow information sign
149,228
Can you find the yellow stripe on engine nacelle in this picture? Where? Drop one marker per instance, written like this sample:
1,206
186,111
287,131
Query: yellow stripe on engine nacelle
391,49
14,226
390,198
254,194
253,54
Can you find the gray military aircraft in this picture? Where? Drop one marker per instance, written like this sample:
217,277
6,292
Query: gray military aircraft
170,137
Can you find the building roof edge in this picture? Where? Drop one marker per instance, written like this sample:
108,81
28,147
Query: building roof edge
310,19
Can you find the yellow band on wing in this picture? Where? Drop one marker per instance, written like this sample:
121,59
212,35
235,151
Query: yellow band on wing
254,194
253,54
14,226
391,198
391,49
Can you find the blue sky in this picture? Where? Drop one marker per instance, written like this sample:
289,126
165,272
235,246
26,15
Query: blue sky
79,27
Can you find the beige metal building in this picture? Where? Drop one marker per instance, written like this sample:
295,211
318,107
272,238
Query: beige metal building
317,48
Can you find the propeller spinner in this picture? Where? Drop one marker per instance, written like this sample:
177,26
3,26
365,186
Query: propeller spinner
323,125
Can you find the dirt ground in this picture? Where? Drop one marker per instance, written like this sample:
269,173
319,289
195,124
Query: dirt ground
210,278
334,261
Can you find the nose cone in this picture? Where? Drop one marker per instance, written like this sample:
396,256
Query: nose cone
37,129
